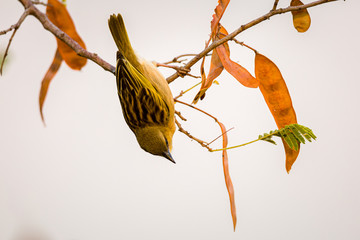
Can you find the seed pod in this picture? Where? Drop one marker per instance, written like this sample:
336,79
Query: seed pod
277,97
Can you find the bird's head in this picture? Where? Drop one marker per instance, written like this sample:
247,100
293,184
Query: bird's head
156,140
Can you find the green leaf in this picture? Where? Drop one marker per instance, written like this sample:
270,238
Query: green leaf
293,139
297,134
267,137
269,140
293,135
285,136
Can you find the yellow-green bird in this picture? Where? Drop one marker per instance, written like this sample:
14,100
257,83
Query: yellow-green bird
145,96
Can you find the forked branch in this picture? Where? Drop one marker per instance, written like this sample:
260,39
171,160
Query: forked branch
34,11
243,28
31,9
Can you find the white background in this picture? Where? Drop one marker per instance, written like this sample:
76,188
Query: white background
83,176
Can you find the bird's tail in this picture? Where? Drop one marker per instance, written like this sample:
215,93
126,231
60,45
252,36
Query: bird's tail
118,31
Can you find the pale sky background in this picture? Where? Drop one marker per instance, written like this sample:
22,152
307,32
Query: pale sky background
83,177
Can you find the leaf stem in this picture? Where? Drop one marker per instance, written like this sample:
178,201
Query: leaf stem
244,144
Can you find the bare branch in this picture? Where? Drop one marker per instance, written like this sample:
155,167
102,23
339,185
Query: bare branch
243,44
220,136
201,142
180,115
275,5
177,59
208,114
183,92
7,50
243,28
39,2
14,27
29,6
180,70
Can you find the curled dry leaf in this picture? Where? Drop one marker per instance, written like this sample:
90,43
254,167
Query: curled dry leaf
220,59
236,70
228,182
301,18
59,16
219,12
54,67
277,97
216,68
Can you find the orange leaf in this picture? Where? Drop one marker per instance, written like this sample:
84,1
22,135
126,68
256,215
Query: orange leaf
219,11
54,67
58,15
277,97
221,58
216,68
228,182
301,18
236,70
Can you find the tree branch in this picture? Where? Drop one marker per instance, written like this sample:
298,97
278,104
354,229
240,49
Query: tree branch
243,28
201,142
29,6
14,27
275,5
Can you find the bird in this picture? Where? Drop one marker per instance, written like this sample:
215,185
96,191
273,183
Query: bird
145,97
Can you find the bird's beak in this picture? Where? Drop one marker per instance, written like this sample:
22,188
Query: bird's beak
168,156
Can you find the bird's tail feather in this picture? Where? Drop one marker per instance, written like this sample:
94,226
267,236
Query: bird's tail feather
118,31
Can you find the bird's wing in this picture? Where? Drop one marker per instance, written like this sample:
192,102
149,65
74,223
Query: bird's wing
141,102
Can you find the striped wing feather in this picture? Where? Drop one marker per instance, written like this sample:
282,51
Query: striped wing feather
141,102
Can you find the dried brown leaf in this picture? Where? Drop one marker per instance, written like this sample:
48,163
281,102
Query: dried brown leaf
236,70
216,68
219,12
228,182
58,15
301,18
277,97
54,67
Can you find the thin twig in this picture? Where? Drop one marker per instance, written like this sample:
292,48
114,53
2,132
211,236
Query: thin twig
237,146
216,120
180,115
243,28
7,50
39,3
275,5
189,105
183,92
176,59
243,44
19,22
201,142
14,27
181,70
247,143
220,136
